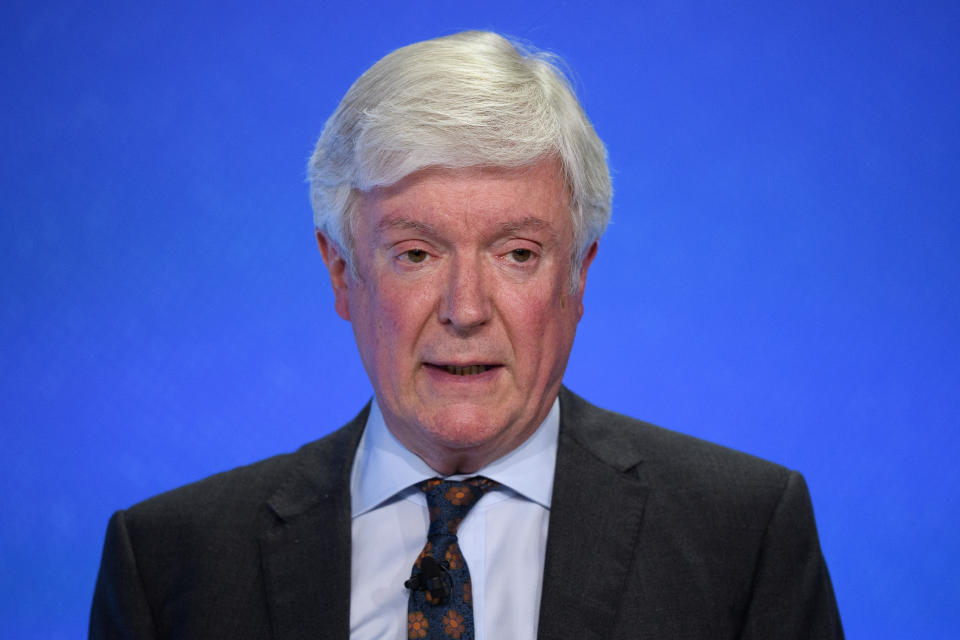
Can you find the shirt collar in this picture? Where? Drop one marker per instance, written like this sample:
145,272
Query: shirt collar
383,467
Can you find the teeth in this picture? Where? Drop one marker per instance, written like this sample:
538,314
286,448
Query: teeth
470,370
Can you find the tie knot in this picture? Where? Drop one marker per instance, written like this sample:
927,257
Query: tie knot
450,500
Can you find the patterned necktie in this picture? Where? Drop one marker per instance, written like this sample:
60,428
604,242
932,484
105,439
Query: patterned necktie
441,594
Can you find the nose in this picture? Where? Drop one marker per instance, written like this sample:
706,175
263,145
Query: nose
465,305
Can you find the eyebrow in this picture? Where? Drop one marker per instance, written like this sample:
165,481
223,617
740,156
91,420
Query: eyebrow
406,224
528,223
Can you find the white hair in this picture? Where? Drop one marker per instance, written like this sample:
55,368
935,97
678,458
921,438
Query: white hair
471,99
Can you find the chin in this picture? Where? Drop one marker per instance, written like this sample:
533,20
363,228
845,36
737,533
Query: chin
465,426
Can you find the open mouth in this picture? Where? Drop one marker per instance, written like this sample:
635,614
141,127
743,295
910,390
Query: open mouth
465,370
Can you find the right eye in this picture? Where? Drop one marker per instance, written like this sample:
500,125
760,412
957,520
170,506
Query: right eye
415,255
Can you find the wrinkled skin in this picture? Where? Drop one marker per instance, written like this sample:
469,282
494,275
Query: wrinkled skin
462,307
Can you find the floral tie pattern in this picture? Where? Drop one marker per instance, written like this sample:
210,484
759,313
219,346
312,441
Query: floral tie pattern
450,615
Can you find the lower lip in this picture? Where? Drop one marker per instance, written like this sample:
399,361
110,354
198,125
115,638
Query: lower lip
442,376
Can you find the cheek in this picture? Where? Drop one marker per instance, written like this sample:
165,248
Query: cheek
538,321
398,315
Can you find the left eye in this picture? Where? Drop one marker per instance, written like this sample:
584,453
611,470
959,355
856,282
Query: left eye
521,255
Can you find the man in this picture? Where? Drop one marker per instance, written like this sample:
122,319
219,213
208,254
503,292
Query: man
459,194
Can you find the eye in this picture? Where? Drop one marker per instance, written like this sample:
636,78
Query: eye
415,255
521,255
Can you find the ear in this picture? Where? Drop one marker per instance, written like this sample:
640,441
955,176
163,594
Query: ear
587,259
337,266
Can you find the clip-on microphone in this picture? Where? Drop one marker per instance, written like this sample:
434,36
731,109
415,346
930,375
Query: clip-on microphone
433,579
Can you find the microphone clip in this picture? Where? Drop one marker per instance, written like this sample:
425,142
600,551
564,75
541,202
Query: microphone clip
433,580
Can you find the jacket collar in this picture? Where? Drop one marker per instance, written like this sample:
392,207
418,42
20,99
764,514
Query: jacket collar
597,508
306,554
598,504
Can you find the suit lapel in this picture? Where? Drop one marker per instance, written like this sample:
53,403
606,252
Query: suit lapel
595,517
306,554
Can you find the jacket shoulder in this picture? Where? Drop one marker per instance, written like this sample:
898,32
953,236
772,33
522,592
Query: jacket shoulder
726,543
672,461
258,491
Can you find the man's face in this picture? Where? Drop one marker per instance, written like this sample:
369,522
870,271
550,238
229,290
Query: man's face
462,308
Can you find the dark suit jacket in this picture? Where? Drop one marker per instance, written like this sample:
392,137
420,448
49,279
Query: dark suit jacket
652,535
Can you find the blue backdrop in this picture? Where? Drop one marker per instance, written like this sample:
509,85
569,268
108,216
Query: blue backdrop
780,275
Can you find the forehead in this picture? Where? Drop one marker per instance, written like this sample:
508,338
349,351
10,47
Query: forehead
532,197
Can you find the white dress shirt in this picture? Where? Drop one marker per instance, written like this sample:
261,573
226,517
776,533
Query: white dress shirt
503,537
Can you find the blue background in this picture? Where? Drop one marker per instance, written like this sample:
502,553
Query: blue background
780,275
